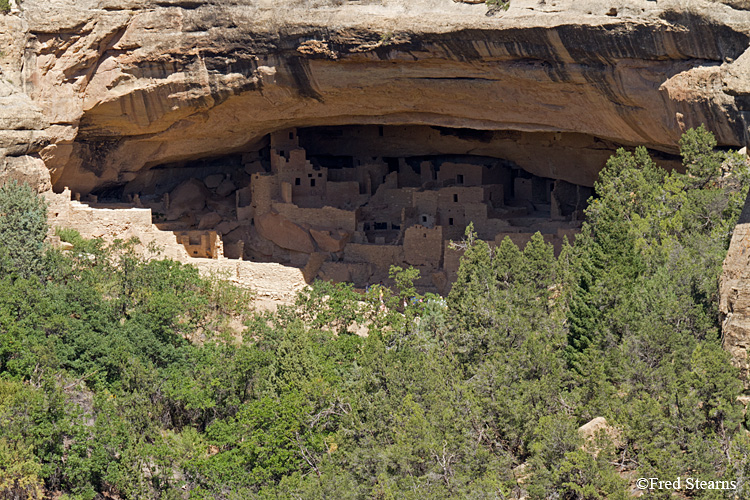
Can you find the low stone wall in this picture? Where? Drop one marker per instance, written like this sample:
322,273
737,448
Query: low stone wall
326,217
114,222
361,274
380,255
268,280
345,193
423,246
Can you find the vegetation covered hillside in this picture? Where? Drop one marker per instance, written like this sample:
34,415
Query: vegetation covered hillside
478,395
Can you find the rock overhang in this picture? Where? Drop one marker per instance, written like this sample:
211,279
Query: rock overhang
131,85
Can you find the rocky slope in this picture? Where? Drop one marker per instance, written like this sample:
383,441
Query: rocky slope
100,89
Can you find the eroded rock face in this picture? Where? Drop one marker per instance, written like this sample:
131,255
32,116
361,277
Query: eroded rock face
190,196
734,296
25,169
104,89
284,233
330,241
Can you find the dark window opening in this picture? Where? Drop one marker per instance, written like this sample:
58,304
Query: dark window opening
380,131
381,226
450,221
320,175
309,175
395,226
459,179
312,182
392,164
291,135
297,181
367,226
455,198
424,218
281,152
424,235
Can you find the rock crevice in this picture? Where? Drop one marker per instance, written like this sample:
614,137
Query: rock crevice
123,85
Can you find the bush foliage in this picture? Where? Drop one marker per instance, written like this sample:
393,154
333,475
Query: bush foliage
498,4
23,228
104,389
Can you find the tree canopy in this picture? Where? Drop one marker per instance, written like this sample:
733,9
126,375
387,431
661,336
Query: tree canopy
124,377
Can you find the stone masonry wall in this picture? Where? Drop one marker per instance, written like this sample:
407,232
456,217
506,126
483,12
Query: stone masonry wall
327,217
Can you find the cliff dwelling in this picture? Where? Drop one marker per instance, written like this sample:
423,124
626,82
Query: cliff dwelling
272,145
341,141
344,203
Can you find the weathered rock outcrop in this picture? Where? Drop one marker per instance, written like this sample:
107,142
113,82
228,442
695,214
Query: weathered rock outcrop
734,296
330,241
101,89
24,129
190,196
284,233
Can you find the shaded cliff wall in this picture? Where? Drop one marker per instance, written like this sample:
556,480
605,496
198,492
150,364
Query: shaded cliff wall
124,85
734,296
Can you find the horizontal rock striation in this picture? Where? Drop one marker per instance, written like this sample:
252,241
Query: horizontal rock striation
104,89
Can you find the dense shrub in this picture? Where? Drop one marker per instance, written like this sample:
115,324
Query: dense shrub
23,228
476,395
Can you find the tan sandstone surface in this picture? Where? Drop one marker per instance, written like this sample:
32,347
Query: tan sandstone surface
734,296
272,283
101,89
102,93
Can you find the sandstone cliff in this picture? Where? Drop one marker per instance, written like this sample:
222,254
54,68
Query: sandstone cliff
101,89
734,296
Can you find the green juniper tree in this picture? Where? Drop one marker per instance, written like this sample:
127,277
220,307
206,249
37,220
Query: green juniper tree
23,228
480,395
